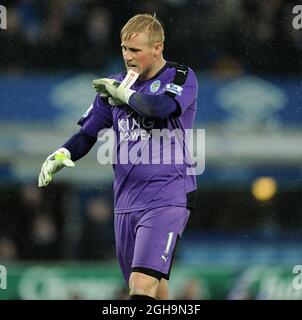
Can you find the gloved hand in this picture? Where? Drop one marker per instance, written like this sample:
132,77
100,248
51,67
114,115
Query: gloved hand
119,91
53,163
100,88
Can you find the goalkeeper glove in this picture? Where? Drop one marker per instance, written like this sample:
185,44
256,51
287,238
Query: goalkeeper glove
119,91
54,163
99,86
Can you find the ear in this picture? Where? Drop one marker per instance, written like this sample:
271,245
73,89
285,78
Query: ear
158,48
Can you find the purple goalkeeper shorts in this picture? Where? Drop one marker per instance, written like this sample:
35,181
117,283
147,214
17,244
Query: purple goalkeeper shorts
145,240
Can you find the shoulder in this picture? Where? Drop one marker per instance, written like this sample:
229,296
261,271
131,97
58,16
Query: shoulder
178,66
182,73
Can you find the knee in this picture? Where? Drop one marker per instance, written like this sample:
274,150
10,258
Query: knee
142,284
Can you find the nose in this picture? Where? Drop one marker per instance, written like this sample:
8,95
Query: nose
127,56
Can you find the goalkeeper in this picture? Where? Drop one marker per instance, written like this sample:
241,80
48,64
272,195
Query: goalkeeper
152,202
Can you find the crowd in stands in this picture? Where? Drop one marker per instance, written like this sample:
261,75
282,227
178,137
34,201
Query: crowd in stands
222,37
40,224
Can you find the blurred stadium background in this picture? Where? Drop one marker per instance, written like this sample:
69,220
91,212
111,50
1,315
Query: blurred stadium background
244,237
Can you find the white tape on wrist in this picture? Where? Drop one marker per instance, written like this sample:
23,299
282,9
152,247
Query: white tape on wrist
127,94
130,78
124,92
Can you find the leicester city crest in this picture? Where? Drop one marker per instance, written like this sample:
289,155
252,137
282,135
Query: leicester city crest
154,86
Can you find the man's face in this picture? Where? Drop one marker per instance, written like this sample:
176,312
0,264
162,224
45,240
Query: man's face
139,56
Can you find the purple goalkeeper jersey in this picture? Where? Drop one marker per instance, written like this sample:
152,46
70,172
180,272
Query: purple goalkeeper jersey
139,186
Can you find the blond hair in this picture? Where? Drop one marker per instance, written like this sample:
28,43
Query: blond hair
144,23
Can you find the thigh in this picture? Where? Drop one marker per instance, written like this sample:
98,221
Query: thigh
156,236
124,227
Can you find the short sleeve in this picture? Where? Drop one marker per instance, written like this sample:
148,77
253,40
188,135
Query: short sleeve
97,117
